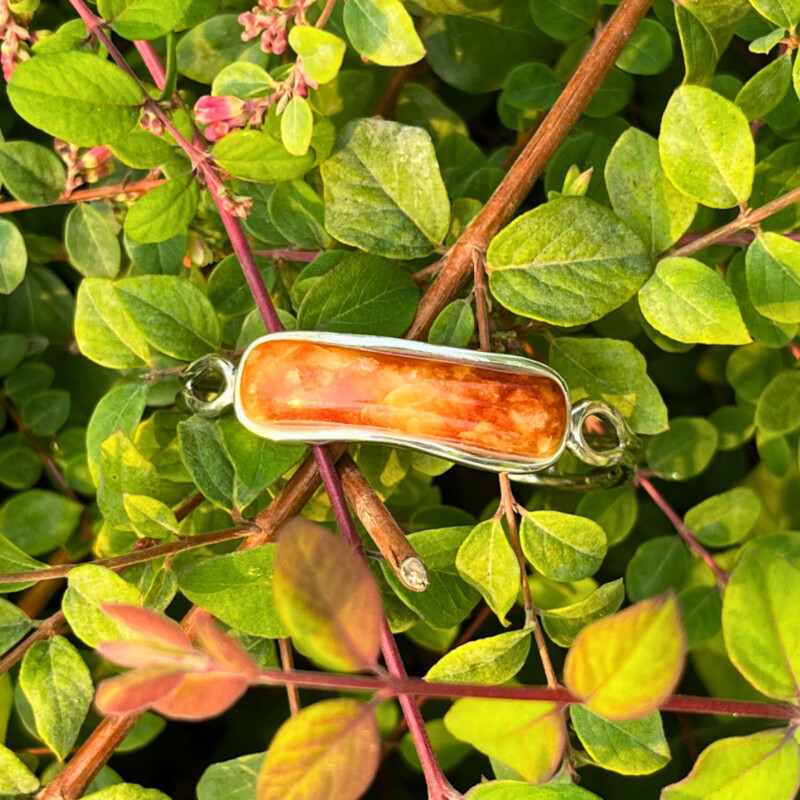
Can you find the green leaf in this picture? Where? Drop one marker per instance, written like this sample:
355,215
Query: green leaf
383,32
614,371
164,211
15,777
150,517
773,276
207,461
41,305
258,462
92,246
243,79
487,561
78,97
142,19
563,624
750,369
649,50
633,747
89,587
625,665
515,790
259,156
689,302
449,751
561,546
363,294
564,19
332,745
761,635
724,519
13,348
659,564
531,87
173,314
39,521
449,599
12,559
778,409
227,287
58,686
701,611
13,257
706,147
527,736
234,780
567,262
765,764
119,409
383,189
766,88
32,173
238,589
489,661
14,624
419,106
785,13
454,325
126,791
641,194
762,329
210,46
615,510
298,214
46,412
683,451
20,464
475,52
322,52
104,330
297,125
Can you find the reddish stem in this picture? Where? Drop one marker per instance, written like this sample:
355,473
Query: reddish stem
690,704
152,62
683,531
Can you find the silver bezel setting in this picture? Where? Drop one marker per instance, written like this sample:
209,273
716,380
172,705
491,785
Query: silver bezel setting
318,434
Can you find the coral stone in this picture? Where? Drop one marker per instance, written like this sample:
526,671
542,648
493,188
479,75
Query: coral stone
489,411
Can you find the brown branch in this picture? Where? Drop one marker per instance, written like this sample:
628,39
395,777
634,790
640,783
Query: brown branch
50,627
749,218
85,195
498,211
400,77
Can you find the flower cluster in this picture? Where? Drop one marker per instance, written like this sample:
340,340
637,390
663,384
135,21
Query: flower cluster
269,20
12,34
224,114
94,164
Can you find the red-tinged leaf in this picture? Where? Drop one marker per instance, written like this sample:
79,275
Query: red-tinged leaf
223,649
150,625
329,751
202,695
625,665
143,654
326,598
136,691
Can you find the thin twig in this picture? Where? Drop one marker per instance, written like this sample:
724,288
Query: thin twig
326,13
683,530
749,218
85,195
287,664
50,627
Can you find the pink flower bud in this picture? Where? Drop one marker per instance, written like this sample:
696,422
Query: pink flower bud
219,109
216,131
94,157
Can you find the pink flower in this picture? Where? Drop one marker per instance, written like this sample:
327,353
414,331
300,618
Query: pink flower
220,109
217,131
